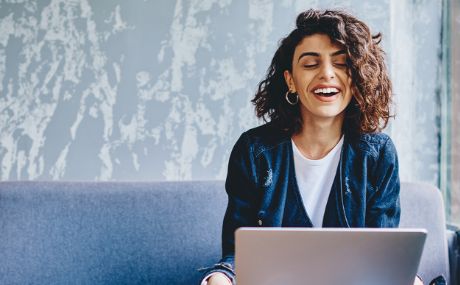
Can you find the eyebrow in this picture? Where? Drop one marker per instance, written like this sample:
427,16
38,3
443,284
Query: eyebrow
339,52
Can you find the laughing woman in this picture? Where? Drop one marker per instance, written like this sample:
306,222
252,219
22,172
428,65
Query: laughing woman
320,160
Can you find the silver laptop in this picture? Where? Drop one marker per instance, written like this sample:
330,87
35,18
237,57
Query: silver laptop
306,256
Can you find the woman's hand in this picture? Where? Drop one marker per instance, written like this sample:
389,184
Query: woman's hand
418,281
221,279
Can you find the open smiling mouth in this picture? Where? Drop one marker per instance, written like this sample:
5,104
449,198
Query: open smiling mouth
326,92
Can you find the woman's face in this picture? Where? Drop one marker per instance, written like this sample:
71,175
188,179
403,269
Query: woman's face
320,78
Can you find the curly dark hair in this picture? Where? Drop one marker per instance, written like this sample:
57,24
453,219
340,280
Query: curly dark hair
369,109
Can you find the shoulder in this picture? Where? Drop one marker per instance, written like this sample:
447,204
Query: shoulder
264,137
373,143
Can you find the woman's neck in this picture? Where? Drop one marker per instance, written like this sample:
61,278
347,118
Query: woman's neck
318,137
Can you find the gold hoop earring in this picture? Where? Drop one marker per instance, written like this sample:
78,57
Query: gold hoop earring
293,103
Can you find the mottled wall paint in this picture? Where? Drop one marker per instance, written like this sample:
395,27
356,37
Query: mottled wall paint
160,90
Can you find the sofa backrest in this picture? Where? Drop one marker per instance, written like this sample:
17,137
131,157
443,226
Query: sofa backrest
422,207
108,233
144,232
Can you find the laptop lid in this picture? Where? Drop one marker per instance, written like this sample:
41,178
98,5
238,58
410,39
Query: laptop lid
327,256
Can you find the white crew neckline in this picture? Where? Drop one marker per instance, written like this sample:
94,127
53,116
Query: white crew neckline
321,161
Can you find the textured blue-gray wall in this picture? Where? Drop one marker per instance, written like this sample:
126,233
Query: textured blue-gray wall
160,90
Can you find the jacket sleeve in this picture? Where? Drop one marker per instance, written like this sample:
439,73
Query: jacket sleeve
241,187
383,206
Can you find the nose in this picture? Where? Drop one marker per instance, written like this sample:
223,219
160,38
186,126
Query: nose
327,71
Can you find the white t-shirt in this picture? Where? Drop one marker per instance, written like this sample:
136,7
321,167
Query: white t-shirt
315,178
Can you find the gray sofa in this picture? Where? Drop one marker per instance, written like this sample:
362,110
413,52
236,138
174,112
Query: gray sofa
149,232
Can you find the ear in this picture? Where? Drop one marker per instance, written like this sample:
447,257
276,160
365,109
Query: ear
289,81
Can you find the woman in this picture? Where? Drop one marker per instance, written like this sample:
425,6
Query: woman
321,160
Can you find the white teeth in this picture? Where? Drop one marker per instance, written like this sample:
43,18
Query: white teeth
326,90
